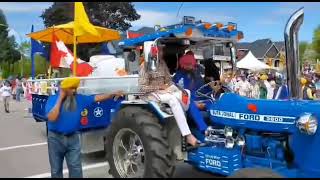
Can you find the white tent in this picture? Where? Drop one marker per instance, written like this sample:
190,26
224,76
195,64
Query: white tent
252,63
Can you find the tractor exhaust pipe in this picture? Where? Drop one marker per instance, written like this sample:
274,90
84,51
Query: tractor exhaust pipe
292,53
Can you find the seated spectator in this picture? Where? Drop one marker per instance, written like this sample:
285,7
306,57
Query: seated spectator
211,72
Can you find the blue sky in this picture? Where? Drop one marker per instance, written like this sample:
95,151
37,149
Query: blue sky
256,19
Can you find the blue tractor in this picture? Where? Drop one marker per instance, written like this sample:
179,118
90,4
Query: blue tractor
244,137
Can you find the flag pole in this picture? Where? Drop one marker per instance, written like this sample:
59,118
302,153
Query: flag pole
32,57
75,55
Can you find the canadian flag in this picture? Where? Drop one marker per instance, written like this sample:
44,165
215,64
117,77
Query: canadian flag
131,35
62,57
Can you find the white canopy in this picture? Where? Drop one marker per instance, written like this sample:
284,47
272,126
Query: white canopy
252,63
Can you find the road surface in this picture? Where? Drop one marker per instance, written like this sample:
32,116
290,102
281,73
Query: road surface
24,151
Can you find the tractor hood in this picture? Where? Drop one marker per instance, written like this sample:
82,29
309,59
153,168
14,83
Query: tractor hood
261,115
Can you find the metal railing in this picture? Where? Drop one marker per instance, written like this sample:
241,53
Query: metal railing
88,85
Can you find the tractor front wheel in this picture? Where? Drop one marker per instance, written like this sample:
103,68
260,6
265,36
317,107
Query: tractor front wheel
137,146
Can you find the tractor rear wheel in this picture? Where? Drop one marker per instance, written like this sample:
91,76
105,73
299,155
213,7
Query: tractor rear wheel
255,173
137,146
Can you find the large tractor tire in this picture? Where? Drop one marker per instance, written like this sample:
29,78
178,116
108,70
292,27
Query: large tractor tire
255,173
137,146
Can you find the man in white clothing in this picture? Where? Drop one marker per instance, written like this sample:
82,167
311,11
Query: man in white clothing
270,89
6,93
243,86
254,88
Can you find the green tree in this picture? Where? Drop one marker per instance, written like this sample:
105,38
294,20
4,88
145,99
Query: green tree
310,55
8,46
316,41
114,15
41,65
302,49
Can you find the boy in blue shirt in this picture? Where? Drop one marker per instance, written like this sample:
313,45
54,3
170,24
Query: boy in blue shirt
64,112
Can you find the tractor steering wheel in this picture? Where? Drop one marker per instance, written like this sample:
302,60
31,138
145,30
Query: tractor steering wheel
213,86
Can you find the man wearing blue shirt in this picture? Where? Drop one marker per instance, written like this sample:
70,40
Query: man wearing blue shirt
64,112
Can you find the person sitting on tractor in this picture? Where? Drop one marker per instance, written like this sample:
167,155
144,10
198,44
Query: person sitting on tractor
158,86
188,75
211,72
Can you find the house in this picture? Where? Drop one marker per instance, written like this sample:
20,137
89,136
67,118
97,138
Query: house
264,50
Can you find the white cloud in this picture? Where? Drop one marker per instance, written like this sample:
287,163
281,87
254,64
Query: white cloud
151,18
19,7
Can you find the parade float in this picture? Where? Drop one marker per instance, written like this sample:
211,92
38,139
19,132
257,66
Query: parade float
243,137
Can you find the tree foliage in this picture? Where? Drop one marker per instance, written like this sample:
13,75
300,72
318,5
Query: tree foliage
8,51
309,55
114,15
302,49
41,66
316,41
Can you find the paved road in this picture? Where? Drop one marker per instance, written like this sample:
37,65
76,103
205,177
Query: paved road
24,152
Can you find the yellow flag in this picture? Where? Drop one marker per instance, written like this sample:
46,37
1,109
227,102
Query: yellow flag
82,24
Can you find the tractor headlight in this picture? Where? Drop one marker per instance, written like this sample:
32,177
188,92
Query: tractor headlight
228,132
240,141
229,142
307,124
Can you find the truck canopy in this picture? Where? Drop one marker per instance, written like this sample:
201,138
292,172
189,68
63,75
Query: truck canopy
189,29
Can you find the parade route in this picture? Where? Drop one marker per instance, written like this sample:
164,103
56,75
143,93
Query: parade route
24,150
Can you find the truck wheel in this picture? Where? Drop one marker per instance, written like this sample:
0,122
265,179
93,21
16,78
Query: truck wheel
255,173
137,146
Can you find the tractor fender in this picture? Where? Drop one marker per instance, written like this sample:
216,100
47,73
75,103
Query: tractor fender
150,105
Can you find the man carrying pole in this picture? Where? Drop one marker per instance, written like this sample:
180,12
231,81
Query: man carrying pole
64,113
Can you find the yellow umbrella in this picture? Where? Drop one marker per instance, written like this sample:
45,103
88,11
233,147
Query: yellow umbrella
78,31
64,32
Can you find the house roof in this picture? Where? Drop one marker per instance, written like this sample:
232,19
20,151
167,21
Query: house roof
279,45
244,45
259,47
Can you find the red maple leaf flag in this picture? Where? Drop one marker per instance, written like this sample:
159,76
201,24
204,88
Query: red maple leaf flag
56,55
83,69
62,57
